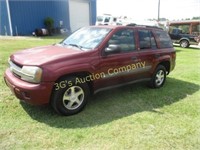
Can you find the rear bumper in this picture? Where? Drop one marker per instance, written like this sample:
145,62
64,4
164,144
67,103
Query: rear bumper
36,94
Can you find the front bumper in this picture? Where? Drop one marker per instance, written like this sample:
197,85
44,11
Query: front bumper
36,94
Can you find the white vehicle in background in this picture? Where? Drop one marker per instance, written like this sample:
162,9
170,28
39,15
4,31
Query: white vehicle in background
106,19
142,22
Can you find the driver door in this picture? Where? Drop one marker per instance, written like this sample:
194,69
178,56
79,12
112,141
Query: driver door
118,57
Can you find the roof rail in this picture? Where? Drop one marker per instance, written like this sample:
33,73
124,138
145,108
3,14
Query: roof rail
146,26
131,24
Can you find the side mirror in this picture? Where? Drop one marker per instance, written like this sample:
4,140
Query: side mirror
112,49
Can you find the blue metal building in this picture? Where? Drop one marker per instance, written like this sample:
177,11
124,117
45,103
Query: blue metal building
22,17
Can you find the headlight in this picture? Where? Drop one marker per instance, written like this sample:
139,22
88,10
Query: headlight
31,74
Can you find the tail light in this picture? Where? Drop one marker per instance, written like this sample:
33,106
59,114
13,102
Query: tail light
197,39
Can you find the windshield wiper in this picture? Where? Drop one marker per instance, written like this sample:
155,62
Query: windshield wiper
75,45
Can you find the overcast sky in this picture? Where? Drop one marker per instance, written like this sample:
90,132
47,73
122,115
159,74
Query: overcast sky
148,9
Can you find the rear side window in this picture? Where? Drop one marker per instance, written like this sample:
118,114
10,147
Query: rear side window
146,40
164,39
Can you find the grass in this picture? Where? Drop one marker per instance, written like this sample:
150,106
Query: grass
130,117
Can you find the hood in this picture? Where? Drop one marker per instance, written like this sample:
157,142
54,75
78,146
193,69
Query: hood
41,55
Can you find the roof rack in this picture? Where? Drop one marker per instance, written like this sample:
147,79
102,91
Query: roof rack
146,26
131,24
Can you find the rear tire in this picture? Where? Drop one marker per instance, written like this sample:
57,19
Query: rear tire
158,78
71,98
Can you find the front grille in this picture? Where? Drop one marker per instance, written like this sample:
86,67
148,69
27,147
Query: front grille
16,75
18,65
15,69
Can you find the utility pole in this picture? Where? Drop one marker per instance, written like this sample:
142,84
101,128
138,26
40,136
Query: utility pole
158,10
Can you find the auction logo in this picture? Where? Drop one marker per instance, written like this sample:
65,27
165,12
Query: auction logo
111,72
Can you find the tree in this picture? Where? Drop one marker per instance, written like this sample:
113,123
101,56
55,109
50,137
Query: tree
49,23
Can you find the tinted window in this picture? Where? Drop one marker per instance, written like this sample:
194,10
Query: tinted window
153,42
146,40
124,39
184,28
163,37
107,19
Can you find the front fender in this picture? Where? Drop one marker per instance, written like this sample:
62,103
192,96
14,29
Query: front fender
184,38
53,75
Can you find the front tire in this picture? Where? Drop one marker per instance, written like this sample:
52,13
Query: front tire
158,78
71,98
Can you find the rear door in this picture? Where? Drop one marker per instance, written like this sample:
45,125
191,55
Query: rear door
155,46
147,47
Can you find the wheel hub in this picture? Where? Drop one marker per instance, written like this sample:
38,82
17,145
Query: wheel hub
160,77
73,97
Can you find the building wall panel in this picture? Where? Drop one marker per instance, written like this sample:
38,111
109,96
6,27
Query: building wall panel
4,25
93,11
30,14
27,15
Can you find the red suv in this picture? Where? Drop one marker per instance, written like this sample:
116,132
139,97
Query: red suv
92,59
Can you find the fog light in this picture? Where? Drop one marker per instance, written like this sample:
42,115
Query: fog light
26,95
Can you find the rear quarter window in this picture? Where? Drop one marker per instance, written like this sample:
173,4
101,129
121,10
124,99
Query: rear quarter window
163,39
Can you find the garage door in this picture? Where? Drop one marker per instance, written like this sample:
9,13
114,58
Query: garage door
79,11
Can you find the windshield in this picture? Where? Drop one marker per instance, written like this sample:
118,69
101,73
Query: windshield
87,38
100,18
